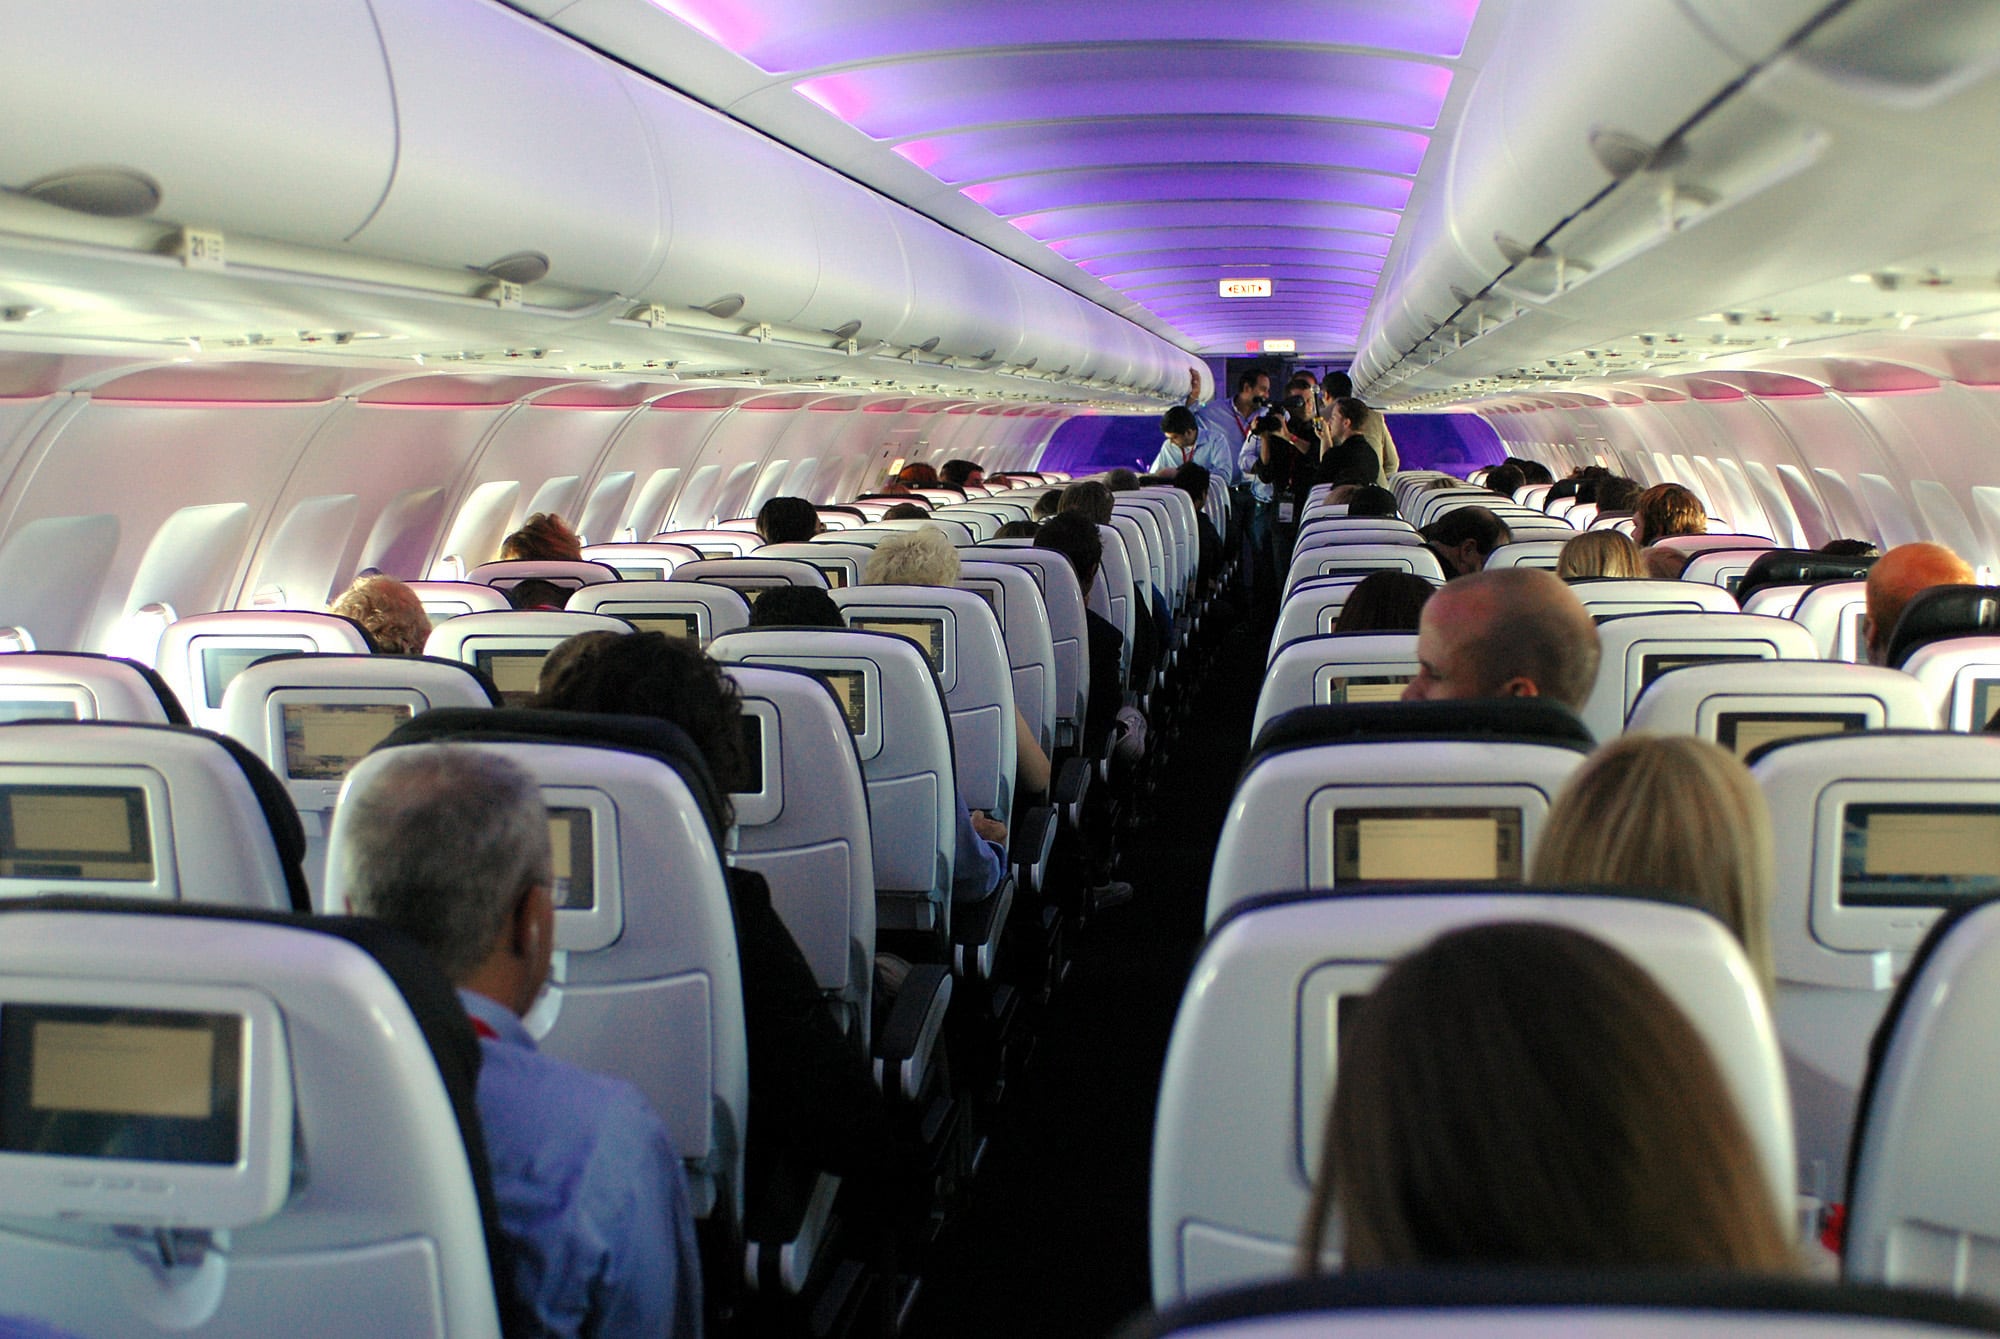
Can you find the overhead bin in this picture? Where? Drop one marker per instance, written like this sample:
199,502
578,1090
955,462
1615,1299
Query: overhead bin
965,305
511,142
271,118
863,286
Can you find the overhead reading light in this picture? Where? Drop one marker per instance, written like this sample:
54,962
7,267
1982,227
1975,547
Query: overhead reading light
930,345
724,307
106,192
522,267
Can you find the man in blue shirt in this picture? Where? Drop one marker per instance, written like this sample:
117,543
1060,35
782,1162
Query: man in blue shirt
450,844
1191,441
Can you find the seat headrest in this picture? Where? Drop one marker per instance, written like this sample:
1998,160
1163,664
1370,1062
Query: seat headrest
1447,1289
645,735
1792,567
1528,719
1941,612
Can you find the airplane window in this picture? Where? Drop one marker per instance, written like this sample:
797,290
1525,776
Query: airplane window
1919,855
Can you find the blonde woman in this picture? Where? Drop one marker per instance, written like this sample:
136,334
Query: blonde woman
1675,814
388,611
1599,553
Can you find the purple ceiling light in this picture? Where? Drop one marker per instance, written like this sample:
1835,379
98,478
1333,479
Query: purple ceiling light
1158,147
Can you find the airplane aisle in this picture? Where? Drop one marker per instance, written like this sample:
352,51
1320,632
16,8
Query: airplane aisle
1053,1241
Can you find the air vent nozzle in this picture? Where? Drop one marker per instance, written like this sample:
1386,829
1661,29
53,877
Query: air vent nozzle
106,192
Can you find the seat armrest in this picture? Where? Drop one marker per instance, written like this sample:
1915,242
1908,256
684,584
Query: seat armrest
1032,839
909,1037
976,928
1071,785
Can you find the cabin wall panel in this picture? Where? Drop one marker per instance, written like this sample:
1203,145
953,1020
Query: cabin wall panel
661,438
552,451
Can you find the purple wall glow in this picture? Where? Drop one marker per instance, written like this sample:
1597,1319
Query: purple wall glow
1090,443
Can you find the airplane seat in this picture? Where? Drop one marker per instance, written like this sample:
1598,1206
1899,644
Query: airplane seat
1924,1197
1175,511
1798,567
958,532
166,813
699,611
311,718
82,686
1624,522
1743,705
332,1163
1941,613
1535,528
1149,578
1425,508
1773,600
1023,616
509,648
1312,609
1711,541
1610,597
752,576
1582,515
1961,678
1114,596
639,561
1336,668
509,573
1168,573
713,544
200,654
1237,1137
1463,1303
982,523
1831,611
1063,605
449,599
646,984
1560,508
1637,648
838,564
1357,530
902,736
1542,553
1360,560
1880,834
1724,567
1332,796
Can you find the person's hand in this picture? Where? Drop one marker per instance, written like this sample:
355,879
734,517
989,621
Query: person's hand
1194,385
991,829
1323,429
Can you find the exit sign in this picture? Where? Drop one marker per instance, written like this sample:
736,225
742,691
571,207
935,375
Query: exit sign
1246,288
1281,346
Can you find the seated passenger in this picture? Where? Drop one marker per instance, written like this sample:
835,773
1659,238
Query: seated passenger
1512,632
388,611
961,473
918,475
795,607
788,520
1463,538
1506,479
1614,493
1092,500
1896,579
451,847
906,511
811,1098
926,558
1523,1095
1194,481
1048,504
1385,601
544,537
1663,511
1598,553
1372,500
535,593
1660,564
1674,814
1850,548
1016,530
1535,472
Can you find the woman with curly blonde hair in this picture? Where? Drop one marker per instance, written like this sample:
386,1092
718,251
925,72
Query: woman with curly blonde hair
388,611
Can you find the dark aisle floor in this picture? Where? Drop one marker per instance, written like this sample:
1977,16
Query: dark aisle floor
1053,1242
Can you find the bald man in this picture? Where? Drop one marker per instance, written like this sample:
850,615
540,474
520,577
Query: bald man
1513,632
1897,577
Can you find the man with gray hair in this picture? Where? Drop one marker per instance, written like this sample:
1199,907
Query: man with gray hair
450,845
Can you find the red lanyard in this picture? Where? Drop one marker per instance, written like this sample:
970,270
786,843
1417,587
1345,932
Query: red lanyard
483,1028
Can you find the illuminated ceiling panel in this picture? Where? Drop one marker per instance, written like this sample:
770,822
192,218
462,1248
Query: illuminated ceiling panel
1153,148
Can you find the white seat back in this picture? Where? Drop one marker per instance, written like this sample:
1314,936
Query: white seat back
1879,833
750,577
902,736
1163,559
344,1175
961,638
200,654
509,648
1960,677
1719,566
982,523
156,812
692,610
646,985
803,825
1831,611
1612,597
1115,596
1712,541
1336,668
1638,648
641,561
511,572
1742,705
1775,601
449,599
76,686
1237,1139
1069,638
1357,530
713,544
1016,601
1926,1190
838,564
1361,559
1542,553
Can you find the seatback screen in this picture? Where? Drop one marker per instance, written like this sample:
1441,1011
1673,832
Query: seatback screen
1434,844
75,832
1370,688
323,740
152,1085
753,753
836,577
517,674
627,572
1653,666
927,633
573,886
1919,855
1985,703
851,691
28,709
220,664
680,626
1743,732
